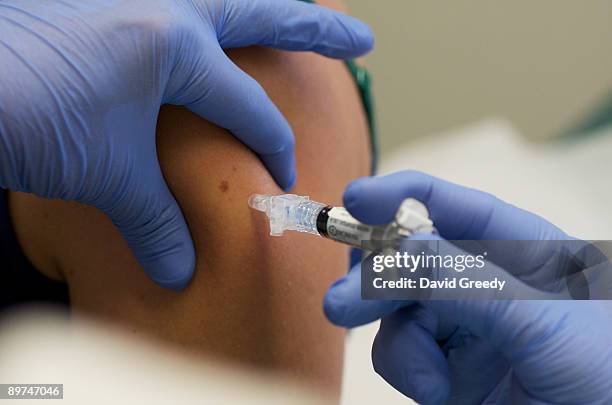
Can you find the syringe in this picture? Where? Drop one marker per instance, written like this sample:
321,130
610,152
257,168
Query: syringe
291,212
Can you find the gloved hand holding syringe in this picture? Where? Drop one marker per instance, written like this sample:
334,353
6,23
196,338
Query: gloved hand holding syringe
291,212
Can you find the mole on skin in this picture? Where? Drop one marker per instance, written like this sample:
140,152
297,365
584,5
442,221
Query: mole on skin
224,186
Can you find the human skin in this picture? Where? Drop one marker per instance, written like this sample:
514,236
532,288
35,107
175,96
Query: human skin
255,299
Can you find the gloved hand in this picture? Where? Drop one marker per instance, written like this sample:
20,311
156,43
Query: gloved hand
475,351
82,82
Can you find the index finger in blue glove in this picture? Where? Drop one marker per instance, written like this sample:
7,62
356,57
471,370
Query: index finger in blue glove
228,97
212,86
457,212
292,26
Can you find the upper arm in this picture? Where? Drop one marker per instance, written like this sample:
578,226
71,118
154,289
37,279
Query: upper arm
254,298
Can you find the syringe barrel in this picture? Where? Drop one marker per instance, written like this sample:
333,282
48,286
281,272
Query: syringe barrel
337,224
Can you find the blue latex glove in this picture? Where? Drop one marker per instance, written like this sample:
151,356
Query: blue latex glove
81,84
475,351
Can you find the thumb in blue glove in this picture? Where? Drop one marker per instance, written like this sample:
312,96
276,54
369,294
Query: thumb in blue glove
474,351
82,83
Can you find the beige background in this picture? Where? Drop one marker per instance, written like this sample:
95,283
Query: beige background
541,64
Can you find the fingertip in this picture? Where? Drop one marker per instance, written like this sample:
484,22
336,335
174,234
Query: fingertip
292,180
369,38
176,285
347,36
281,166
364,36
168,254
174,271
352,193
369,201
333,303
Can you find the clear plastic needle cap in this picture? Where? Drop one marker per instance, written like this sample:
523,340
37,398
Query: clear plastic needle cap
259,202
288,212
